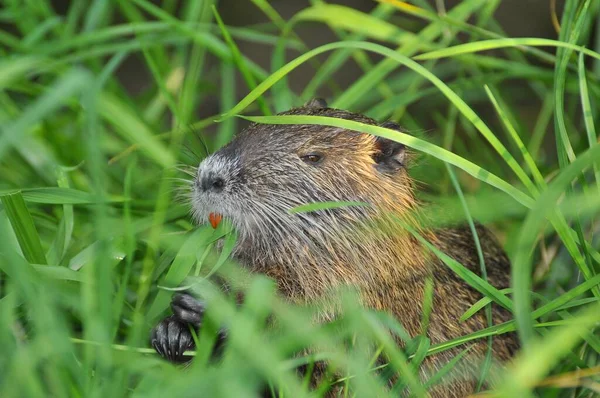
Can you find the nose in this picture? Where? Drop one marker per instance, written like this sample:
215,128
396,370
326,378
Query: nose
212,182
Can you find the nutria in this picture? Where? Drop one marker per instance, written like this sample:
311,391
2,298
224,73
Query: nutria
268,169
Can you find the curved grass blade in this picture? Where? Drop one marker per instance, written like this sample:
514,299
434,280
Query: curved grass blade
396,357
65,228
446,369
494,44
111,34
539,179
479,305
228,246
59,273
408,140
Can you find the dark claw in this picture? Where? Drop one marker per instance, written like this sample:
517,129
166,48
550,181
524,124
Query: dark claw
171,338
187,309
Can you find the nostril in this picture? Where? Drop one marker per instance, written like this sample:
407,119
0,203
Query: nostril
212,183
218,183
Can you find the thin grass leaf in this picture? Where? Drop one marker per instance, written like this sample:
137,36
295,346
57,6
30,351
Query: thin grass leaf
196,62
58,273
588,114
494,44
420,353
65,229
42,30
227,101
479,305
228,246
239,62
396,358
165,93
88,255
484,276
24,228
539,179
541,126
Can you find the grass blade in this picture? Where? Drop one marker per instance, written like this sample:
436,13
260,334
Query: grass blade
469,48
239,62
24,228
588,114
408,140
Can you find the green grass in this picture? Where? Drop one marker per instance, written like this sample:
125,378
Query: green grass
94,238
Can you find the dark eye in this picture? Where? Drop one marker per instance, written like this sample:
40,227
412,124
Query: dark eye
312,158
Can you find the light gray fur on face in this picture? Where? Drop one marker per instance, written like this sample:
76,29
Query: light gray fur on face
206,201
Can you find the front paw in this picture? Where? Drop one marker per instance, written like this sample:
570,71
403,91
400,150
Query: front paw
171,338
188,309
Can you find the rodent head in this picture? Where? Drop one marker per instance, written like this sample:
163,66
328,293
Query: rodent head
269,169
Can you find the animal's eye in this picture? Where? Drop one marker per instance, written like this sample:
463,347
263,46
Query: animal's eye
312,158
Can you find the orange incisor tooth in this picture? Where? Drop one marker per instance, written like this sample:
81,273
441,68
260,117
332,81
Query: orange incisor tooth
215,219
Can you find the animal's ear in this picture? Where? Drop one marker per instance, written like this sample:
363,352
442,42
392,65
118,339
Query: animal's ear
390,156
316,103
